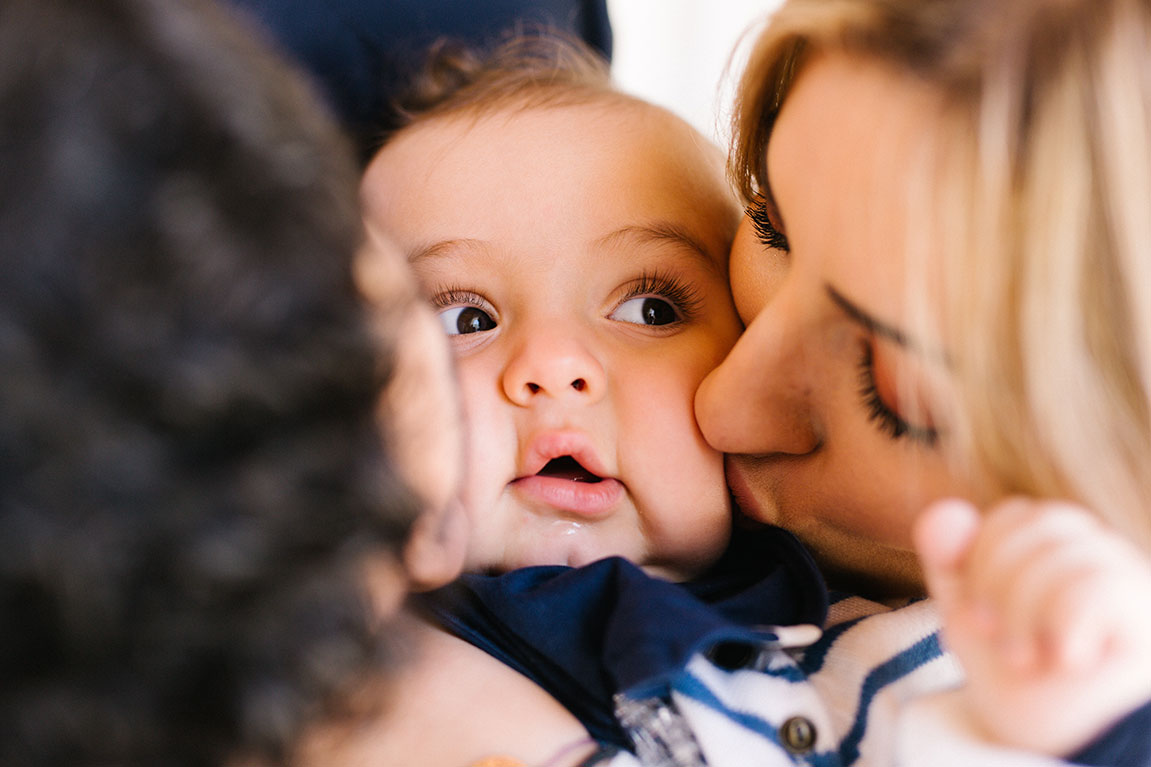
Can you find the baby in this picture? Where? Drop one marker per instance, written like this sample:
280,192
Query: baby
574,240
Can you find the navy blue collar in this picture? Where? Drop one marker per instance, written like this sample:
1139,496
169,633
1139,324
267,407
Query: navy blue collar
585,633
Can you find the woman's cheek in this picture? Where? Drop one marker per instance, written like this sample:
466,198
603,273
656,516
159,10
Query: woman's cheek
755,275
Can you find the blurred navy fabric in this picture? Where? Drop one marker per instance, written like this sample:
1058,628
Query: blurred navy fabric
583,634
362,52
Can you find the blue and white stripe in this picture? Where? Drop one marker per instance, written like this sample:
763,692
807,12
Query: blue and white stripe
862,687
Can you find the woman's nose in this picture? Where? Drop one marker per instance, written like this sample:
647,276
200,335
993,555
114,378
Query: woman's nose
553,367
759,400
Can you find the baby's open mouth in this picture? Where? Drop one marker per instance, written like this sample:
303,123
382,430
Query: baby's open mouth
566,467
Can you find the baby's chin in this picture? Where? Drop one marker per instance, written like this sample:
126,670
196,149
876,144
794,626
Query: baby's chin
556,542
572,548
575,551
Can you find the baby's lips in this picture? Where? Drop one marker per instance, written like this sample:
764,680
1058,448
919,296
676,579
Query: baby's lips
548,446
586,500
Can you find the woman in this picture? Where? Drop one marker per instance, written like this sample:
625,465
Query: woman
944,273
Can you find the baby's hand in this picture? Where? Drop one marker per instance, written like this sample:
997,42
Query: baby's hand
1048,611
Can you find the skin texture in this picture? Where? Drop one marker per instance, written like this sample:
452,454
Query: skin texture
604,196
786,403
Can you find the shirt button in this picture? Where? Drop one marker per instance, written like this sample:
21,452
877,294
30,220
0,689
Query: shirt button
732,656
798,735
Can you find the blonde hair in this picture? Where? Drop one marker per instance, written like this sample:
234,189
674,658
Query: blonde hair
1037,211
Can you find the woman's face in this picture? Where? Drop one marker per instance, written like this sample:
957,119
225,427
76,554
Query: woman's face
822,402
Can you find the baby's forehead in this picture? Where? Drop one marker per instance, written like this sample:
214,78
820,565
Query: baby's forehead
515,126
603,108
601,150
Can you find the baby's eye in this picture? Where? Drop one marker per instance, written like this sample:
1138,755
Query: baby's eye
646,310
461,320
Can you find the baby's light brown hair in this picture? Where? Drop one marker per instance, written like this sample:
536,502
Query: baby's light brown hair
527,70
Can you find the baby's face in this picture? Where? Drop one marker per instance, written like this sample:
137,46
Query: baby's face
577,258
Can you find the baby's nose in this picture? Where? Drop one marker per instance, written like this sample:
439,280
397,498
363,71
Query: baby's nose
555,368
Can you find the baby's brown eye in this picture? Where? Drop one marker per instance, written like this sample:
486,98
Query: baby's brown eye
462,320
646,310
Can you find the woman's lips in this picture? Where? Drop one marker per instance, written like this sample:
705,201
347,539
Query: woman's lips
740,486
590,499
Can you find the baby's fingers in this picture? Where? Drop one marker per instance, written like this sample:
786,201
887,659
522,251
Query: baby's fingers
1098,609
1078,626
1017,534
1048,573
1048,610
944,534
1028,554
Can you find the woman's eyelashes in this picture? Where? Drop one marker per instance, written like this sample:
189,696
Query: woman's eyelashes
658,300
462,312
760,213
886,417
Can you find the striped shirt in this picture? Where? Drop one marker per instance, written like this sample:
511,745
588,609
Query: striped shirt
872,690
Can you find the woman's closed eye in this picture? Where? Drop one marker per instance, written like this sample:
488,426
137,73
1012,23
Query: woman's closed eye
887,416
657,300
463,312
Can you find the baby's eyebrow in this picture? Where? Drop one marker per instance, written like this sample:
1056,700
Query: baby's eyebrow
662,231
444,248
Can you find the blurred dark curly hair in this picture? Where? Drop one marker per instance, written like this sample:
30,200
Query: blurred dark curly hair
191,467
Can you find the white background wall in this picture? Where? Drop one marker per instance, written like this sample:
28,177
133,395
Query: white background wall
679,53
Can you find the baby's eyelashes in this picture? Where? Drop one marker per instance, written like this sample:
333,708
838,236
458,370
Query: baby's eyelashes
464,312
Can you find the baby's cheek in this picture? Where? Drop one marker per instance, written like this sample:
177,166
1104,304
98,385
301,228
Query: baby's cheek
686,499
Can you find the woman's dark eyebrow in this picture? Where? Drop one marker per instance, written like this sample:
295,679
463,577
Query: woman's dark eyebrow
873,325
